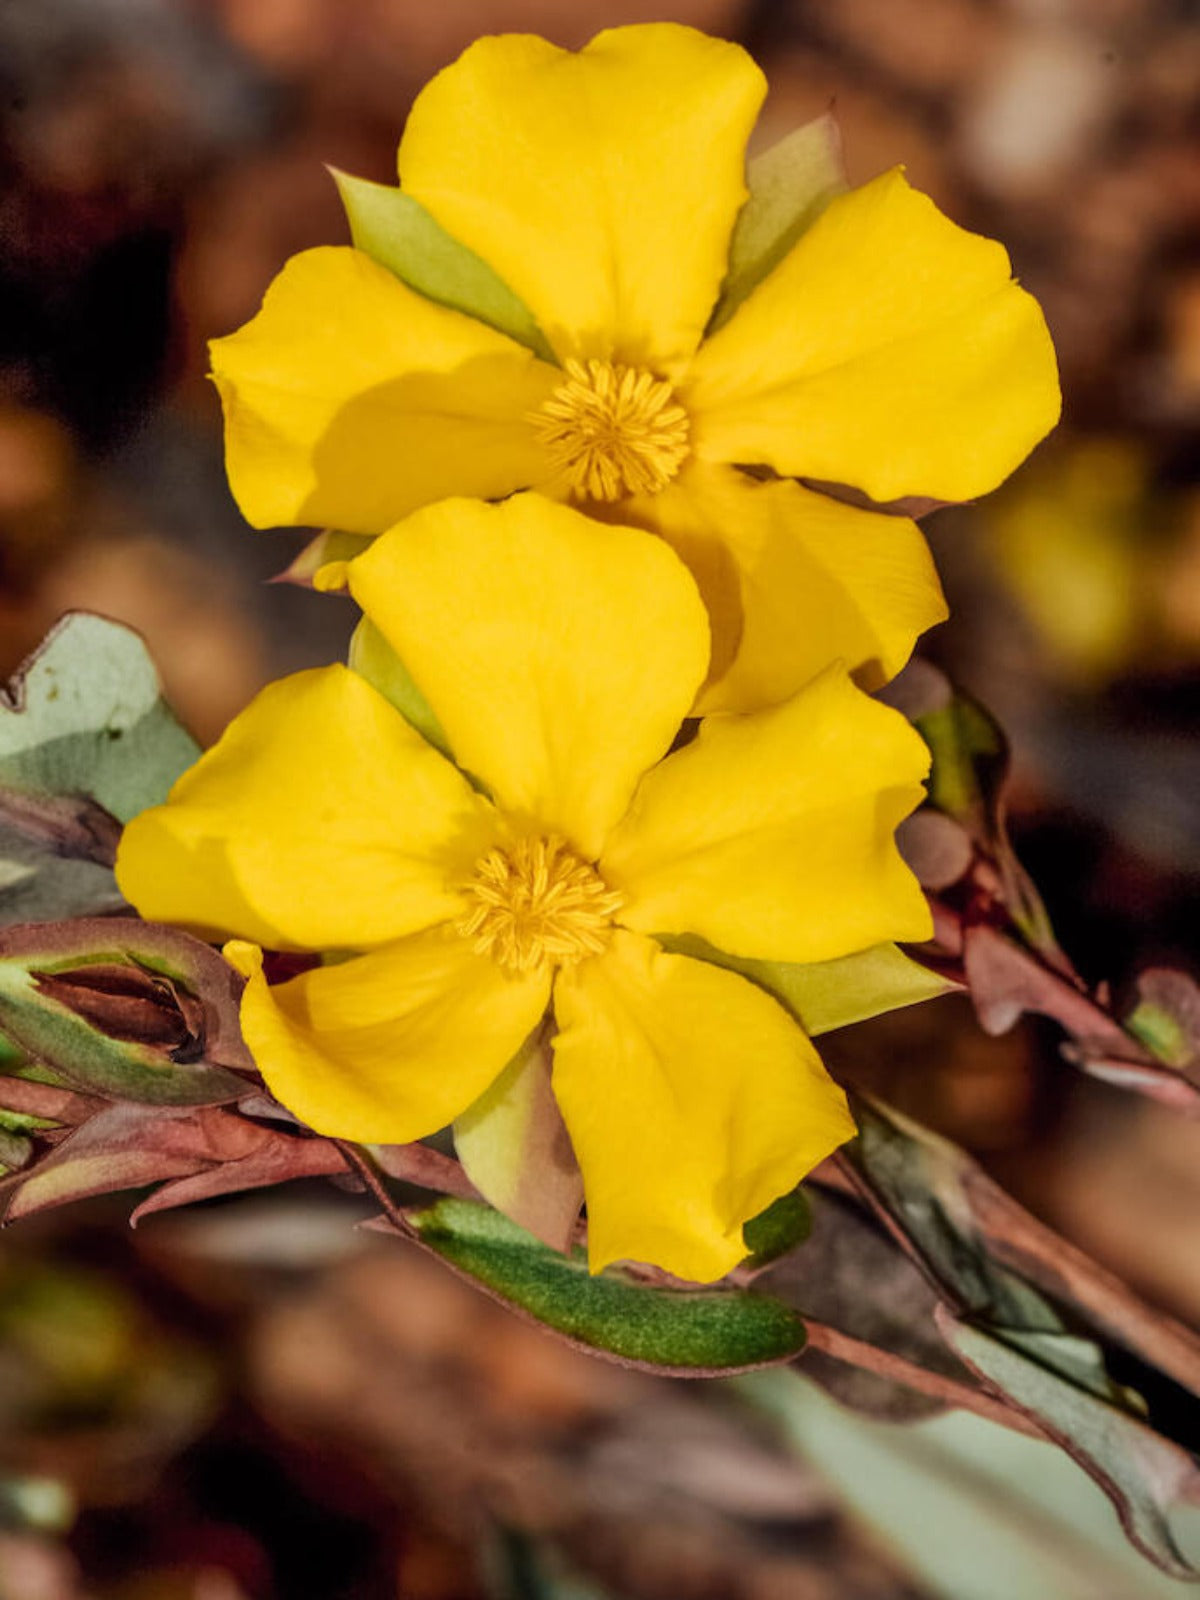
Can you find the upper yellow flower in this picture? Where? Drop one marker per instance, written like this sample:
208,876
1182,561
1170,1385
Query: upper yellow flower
559,657
880,347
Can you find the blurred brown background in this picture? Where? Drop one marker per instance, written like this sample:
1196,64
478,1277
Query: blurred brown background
159,159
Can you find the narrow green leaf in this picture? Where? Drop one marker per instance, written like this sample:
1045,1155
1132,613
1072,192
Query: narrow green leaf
823,995
332,544
396,231
373,658
698,1333
790,185
23,1122
918,1177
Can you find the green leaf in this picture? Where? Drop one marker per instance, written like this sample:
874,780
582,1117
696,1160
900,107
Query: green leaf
1013,1336
86,742
373,658
396,231
686,1332
823,995
969,1509
790,185
785,1223
332,544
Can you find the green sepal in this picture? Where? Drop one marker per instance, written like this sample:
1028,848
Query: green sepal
396,231
694,1333
823,995
331,544
790,185
373,658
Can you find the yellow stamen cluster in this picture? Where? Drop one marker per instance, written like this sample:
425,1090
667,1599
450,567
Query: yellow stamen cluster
613,430
537,902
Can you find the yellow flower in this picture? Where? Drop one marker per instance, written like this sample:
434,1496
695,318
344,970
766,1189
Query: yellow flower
886,349
559,657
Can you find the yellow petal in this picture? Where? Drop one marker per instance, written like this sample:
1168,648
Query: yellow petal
350,400
693,1100
602,186
793,580
319,820
771,835
889,350
558,654
393,1045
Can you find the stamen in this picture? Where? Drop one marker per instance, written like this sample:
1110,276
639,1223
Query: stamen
536,902
613,430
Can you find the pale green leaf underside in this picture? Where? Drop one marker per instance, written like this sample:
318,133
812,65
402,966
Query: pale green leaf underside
823,995
373,658
790,185
396,231
90,720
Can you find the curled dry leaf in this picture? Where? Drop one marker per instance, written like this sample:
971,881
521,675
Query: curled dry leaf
126,1009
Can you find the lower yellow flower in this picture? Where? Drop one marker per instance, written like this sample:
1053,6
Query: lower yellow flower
559,656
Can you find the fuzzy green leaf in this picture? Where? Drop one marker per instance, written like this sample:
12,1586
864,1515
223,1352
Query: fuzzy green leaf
690,1333
396,231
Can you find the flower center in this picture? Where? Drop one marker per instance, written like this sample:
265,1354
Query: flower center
613,430
537,901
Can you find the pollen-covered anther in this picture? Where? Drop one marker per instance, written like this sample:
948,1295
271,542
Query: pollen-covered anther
613,430
536,902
